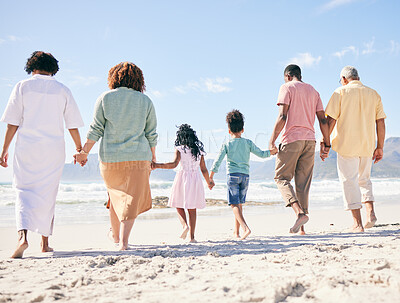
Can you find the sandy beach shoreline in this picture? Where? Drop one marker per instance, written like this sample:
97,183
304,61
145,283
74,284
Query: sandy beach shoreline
327,265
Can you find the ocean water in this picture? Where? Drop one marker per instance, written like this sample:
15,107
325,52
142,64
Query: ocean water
84,202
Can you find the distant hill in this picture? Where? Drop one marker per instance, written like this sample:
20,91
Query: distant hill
389,167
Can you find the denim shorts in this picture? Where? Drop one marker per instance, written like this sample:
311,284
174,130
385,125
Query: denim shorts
237,188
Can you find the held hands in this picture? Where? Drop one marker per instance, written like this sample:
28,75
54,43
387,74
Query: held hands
211,184
323,151
4,158
273,151
80,158
378,155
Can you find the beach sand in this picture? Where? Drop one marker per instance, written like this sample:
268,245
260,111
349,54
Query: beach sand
327,265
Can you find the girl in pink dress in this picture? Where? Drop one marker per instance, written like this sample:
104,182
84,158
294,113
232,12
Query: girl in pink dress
187,189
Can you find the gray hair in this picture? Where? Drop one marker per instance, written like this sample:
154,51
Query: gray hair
349,72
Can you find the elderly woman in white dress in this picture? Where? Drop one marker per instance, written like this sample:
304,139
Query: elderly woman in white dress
37,109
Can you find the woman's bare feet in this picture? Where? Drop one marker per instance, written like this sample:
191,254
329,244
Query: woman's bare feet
246,233
185,232
22,246
192,241
123,247
371,220
236,235
356,229
111,237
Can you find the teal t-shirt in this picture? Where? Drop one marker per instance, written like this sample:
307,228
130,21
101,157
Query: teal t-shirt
237,152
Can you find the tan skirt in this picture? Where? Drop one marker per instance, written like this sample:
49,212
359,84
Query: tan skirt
128,187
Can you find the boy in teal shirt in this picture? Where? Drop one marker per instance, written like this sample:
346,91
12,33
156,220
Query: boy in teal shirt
237,151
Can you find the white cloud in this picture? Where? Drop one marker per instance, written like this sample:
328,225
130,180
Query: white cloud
369,47
394,47
2,41
14,38
305,60
210,85
156,94
334,4
344,51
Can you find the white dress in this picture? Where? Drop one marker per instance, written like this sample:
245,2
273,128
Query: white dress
39,106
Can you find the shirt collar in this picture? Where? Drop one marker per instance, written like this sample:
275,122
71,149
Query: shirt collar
39,76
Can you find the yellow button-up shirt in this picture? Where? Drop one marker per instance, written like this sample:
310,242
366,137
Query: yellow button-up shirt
355,108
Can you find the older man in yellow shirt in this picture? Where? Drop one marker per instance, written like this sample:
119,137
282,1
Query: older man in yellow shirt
356,111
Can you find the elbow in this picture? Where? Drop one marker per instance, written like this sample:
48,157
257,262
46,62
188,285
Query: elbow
283,117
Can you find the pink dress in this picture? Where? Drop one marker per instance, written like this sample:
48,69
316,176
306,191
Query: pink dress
187,189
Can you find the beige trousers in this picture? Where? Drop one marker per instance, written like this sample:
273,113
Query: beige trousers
296,160
354,174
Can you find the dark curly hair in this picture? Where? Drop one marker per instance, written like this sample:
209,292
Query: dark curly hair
235,120
41,61
126,74
186,137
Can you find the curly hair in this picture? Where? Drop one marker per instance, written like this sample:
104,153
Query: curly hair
41,61
126,74
235,120
186,137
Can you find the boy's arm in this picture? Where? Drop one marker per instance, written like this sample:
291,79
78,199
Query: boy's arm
169,165
217,162
257,151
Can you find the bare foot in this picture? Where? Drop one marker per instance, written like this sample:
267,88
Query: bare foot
111,237
356,229
246,234
301,220
236,235
47,249
184,233
371,221
123,247
301,233
193,241
18,253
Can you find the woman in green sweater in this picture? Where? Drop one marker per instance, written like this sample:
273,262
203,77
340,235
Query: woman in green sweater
126,122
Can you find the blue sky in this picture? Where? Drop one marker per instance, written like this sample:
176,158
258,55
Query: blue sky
203,58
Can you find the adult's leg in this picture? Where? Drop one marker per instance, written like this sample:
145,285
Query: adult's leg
182,219
22,244
348,175
126,227
45,245
303,177
115,225
365,184
192,223
285,168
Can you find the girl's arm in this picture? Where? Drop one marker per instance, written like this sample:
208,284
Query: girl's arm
170,165
10,133
204,171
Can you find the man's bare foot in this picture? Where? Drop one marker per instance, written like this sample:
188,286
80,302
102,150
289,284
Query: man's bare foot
246,234
301,220
47,249
111,237
192,241
370,221
18,253
184,233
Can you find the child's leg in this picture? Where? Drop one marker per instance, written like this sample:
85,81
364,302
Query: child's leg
239,217
236,229
115,225
192,223
182,218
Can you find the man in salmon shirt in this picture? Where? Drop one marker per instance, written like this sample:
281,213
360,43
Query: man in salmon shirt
298,103
357,112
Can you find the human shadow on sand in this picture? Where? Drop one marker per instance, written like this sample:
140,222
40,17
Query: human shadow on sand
256,245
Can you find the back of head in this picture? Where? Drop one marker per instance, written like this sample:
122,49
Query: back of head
293,70
186,137
235,121
41,61
349,73
126,74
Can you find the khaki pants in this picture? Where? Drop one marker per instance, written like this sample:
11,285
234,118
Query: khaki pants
296,160
354,174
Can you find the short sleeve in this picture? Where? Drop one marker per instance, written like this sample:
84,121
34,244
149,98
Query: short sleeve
284,96
380,114
72,116
14,111
333,107
319,106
